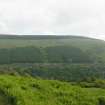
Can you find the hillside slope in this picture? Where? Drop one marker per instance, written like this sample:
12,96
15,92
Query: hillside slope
65,58
48,47
29,91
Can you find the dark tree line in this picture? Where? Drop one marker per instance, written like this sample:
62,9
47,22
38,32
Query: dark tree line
57,54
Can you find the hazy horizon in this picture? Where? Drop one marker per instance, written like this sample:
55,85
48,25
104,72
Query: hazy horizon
58,17
50,35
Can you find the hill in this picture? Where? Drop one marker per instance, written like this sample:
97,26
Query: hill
44,45
29,91
51,70
66,58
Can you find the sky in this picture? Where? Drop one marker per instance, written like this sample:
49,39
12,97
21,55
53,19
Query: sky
53,17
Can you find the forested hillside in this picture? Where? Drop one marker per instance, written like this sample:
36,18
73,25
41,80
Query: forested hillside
65,58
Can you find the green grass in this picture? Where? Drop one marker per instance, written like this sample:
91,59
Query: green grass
30,91
84,43
11,43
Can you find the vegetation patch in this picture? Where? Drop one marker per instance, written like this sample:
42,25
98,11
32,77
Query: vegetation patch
30,91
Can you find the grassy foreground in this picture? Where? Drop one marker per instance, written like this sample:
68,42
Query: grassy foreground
29,91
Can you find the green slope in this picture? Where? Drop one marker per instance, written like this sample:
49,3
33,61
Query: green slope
50,46
44,41
29,91
66,58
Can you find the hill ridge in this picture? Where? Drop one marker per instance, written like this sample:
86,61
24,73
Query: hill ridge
8,36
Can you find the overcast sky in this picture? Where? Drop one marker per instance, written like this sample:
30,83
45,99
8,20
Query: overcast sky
66,17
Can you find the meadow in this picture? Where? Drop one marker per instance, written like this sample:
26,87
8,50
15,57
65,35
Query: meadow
30,91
